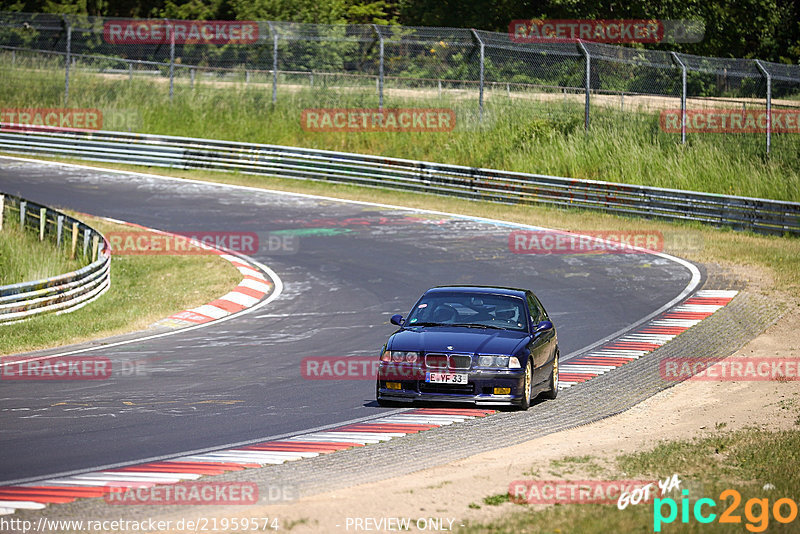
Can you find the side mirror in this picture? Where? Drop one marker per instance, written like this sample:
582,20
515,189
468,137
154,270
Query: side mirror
541,327
397,319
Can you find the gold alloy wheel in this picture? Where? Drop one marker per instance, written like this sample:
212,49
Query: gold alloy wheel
528,383
555,372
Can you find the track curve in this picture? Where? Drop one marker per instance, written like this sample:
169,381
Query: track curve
357,264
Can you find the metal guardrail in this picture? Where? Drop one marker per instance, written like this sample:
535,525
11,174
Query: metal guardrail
743,213
66,292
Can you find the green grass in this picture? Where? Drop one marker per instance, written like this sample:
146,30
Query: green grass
143,290
744,460
23,258
496,500
516,134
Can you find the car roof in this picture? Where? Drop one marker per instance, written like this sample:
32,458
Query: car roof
494,290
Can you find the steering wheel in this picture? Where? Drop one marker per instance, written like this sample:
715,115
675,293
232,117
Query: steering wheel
444,313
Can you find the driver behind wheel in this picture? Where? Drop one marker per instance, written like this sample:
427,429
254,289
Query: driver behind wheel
444,313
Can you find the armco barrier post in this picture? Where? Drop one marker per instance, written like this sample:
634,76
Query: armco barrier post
480,96
22,207
768,76
42,222
74,241
588,60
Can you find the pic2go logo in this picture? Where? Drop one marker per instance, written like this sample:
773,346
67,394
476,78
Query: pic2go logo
756,511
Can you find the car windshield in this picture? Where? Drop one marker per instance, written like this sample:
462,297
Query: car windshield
475,310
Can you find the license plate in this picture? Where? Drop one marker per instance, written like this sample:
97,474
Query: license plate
446,378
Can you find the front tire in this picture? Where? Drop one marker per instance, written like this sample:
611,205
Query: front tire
552,390
526,387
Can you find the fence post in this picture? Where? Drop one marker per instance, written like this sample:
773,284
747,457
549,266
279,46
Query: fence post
42,222
86,235
191,73
380,67
130,72
171,30
95,243
588,59
59,230
680,63
22,207
74,240
67,59
274,62
768,76
480,97
2,210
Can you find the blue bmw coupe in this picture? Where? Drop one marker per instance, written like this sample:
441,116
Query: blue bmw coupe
473,344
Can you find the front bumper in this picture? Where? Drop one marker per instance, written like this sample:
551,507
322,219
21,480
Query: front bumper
478,390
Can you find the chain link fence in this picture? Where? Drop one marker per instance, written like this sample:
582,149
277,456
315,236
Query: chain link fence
383,65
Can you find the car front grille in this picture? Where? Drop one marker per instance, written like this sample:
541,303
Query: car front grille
445,361
436,361
460,361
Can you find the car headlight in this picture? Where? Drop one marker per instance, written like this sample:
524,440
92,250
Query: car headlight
486,361
494,361
399,356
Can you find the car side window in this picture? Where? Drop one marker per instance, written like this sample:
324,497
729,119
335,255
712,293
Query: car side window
534,309
542,311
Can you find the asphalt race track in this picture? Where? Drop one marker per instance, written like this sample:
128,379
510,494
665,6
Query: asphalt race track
239,380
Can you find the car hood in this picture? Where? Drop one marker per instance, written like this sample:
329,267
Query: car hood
461,339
